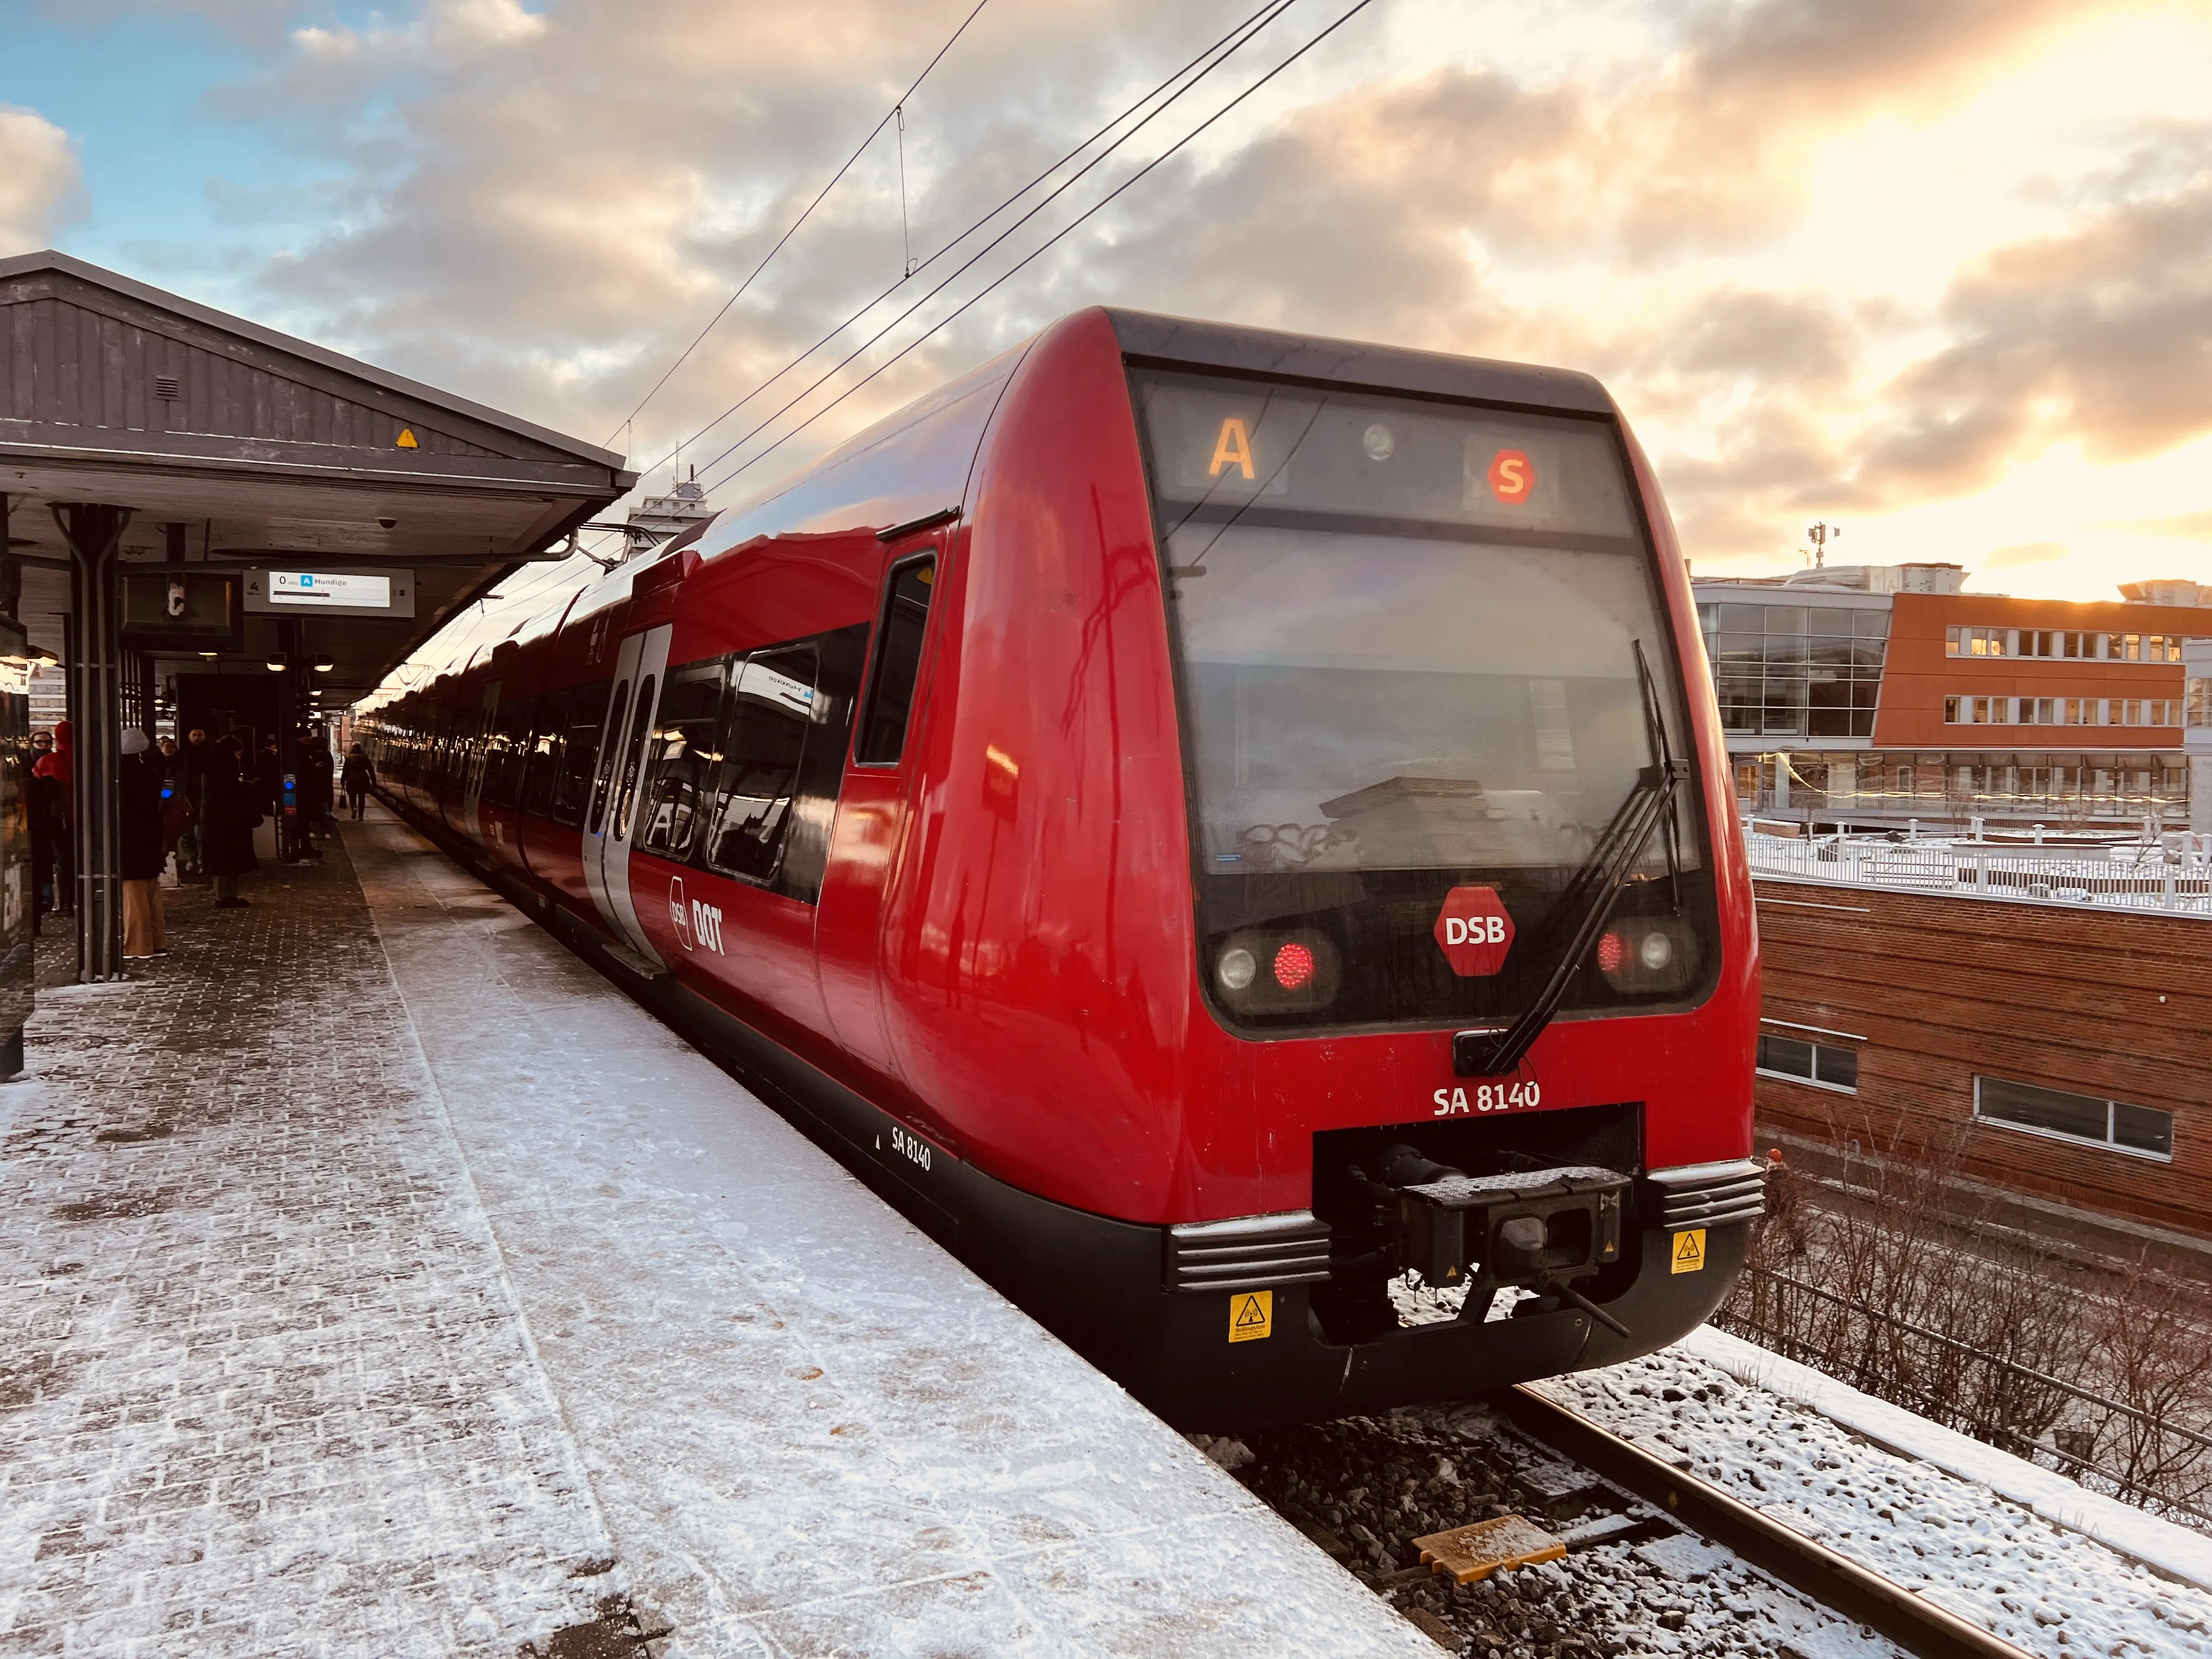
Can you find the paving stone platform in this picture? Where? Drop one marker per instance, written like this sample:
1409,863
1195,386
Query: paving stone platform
378,1281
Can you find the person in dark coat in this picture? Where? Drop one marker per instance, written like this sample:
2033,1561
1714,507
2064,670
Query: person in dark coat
140,844
59,768
46,802
314,789
234,800
359,778
193,760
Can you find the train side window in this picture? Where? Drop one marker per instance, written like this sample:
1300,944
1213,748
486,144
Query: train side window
679,772
898,662
587,718
609,753
770,709
542,767
633,753
503,784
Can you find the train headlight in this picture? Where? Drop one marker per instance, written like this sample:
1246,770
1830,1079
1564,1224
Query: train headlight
1646,955
1277,971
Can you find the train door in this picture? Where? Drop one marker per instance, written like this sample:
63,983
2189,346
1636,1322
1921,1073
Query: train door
871,809
473,765
612,820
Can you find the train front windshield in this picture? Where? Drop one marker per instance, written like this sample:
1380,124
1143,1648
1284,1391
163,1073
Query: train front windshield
1410,635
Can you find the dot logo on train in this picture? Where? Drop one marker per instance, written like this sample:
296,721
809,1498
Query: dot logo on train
1154,806
679,916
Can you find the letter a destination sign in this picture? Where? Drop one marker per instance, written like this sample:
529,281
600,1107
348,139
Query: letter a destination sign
1474,931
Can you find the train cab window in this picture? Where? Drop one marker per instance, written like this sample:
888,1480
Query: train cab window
898,662
633,751
679,769
579,758
1417,643
542,767
770,709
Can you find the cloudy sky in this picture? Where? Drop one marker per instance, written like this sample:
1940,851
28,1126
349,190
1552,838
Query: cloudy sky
1937,270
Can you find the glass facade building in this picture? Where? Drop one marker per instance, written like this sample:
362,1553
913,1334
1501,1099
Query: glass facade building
1795,670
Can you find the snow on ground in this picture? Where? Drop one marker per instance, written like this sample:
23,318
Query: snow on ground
810,1430
2173,1550
2045,1588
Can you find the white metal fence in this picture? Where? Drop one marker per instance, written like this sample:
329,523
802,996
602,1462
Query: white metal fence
2174,873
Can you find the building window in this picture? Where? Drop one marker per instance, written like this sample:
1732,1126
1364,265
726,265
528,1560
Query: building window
1978,642
2138,1131
1795,670
2200,702
1815,1063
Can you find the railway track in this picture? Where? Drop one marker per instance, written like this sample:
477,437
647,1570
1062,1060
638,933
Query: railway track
1808,1566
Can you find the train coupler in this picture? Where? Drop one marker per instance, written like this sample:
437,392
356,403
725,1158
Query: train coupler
1539,1230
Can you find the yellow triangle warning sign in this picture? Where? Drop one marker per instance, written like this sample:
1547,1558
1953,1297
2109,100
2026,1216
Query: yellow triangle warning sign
406,439
1689,1251
1251,1316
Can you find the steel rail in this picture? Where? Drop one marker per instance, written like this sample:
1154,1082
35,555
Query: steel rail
1836,1582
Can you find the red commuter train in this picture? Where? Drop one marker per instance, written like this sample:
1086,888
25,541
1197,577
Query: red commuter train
1229,830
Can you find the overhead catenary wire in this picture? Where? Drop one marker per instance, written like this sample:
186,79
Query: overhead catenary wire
1054,239
895,110
1270,15
1220,50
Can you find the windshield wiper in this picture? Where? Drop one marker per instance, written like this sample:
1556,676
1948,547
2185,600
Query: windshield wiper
1587,903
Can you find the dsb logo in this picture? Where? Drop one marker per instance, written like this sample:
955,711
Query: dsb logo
1474,931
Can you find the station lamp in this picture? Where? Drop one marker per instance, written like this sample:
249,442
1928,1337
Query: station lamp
279,662
324,664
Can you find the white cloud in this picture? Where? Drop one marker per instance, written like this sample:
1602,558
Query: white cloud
1872,260
38,179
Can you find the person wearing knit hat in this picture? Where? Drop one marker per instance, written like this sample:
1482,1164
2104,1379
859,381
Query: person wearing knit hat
138,811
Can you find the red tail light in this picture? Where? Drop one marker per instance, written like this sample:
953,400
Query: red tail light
1294,966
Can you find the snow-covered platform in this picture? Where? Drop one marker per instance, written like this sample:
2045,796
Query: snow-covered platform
384,1282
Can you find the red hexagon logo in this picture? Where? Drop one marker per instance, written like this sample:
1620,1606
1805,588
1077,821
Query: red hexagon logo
1474,931
1512,476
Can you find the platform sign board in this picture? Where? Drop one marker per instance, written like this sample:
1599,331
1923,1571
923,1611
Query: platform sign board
176,608
301,590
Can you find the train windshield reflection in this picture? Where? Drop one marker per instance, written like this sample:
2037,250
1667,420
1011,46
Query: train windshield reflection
1408,630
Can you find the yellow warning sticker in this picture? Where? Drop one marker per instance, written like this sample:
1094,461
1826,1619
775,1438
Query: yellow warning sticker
406,439
1689,1251
1251,1316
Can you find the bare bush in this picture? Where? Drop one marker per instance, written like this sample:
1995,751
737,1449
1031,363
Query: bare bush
1886,1278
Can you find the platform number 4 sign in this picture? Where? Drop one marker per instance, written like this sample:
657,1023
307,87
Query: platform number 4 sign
1689,1251
1251,1316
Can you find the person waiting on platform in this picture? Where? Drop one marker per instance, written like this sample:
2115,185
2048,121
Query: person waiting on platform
47,804
138,825
57,767
194,756
235,803
359,778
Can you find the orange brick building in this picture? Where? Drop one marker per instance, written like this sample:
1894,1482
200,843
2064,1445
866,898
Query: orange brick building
1876,694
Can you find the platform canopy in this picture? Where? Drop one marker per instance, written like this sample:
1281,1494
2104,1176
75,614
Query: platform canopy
234,448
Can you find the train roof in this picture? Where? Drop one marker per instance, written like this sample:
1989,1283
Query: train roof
917,458
1180,342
